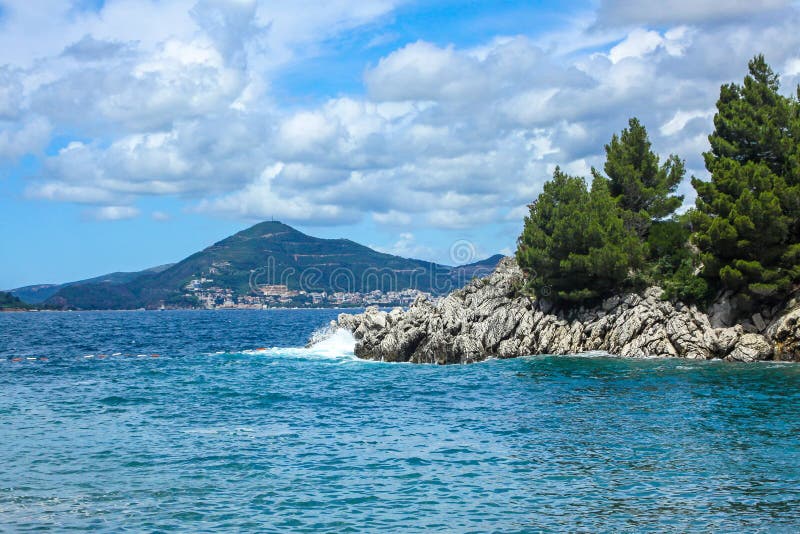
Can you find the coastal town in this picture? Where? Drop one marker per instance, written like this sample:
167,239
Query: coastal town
212,297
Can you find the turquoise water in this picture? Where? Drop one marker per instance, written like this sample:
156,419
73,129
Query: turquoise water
215,435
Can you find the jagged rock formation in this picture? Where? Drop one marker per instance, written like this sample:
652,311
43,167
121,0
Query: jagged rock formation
490,318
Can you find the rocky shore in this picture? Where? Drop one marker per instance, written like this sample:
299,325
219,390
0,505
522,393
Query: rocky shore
490,317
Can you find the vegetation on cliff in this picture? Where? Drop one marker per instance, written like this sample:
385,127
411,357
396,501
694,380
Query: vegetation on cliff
644,189
576,241
10,302
747,217
743,235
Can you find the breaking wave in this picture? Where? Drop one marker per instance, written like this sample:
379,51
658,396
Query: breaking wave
329,342
332,342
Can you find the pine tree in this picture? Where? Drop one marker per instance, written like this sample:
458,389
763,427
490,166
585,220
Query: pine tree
747,218
645,188
754,122
574,246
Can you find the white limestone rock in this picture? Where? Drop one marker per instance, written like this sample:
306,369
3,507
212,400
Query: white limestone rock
492,317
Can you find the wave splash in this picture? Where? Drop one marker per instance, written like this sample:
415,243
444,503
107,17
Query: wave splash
329,342
332,342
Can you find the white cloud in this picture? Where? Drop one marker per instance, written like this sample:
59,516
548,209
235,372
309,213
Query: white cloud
10,93
306,132
145,92
392,218
621,12
160,216
438,73
260,200
28,136
792,67
43,29
517,214
681,118
637,44
84,194
454,158
113,213
89,49
446,136
407,247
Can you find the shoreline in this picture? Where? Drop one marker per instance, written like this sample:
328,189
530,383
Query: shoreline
180,310
490,318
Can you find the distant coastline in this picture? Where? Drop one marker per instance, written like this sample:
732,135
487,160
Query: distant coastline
269,265
159,310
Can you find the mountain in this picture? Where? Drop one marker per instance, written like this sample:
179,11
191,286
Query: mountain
37,294
10,302
271,262
464,273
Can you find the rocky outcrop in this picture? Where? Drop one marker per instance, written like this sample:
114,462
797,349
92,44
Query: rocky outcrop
784,333
491,318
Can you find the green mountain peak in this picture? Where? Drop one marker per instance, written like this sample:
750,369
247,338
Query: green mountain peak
269,257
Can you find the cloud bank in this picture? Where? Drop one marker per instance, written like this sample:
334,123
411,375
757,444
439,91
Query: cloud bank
174,99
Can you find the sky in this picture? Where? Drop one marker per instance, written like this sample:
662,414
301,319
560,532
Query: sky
136,132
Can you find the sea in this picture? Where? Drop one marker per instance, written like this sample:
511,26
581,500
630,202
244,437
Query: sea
209,421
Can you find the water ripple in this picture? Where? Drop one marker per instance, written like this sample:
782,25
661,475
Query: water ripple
215,434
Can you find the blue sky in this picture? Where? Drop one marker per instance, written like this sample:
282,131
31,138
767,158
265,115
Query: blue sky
134,133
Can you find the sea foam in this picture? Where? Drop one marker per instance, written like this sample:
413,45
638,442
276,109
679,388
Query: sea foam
329,342
332,343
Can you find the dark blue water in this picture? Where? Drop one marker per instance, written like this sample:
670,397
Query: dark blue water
215,435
